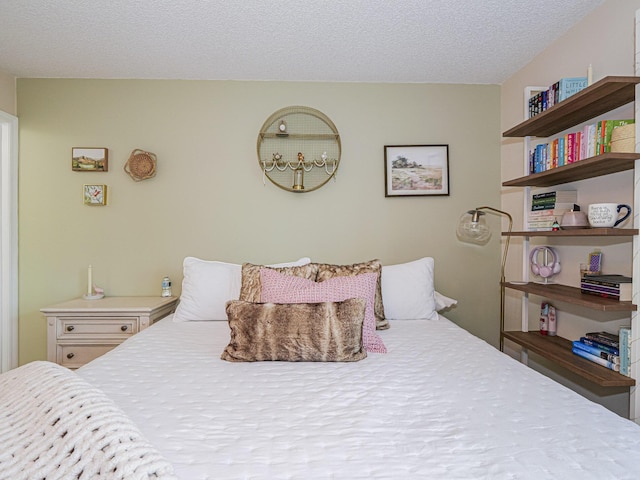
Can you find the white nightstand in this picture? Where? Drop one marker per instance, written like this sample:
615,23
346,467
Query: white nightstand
80,330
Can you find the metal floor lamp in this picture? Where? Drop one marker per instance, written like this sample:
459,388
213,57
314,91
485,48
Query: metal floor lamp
472,228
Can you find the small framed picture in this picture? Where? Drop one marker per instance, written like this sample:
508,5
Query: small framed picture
411,170
94,194
89,159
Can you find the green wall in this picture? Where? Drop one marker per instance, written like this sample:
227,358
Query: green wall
208,199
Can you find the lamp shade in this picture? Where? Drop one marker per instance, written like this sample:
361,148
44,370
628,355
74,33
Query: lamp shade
473,228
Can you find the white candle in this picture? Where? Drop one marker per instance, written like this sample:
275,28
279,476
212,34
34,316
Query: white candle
589,75
90,281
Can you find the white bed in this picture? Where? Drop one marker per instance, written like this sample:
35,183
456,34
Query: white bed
440,404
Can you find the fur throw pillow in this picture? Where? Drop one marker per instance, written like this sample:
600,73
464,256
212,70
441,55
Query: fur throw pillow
251,288
316,332
327,271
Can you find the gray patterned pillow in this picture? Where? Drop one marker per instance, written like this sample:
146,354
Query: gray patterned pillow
251,288
327,271
296,332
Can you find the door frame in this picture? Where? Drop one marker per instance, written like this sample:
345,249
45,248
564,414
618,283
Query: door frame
8,241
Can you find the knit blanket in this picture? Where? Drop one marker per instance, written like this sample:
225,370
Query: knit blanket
54,425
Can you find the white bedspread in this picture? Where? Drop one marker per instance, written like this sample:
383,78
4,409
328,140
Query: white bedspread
441,404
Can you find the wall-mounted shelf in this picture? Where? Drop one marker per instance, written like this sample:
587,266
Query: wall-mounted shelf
302,136
604,164
565,293
601,97
580,232
299,149
558,350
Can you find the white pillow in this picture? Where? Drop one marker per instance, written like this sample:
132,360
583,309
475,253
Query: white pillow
443,301
208,285
408,291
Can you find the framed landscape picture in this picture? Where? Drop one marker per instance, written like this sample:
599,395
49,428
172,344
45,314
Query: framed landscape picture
411,170
89,159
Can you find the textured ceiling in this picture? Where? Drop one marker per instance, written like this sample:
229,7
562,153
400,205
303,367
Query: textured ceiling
434,41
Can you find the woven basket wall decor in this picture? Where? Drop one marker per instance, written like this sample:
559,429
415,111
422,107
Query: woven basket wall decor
141,165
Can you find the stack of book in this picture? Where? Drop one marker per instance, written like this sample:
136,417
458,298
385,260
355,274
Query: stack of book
594,139
602,348
559,91
617,287
548,207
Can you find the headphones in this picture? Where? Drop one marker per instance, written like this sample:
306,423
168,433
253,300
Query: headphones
545,270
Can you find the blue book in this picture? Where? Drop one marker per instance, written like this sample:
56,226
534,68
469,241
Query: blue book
592,358
571,86
625,352
540,163
597,352
601,346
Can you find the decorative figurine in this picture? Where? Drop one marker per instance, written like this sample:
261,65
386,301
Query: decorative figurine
300,157
556,226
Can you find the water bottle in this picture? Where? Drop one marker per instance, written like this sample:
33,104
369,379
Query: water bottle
166,287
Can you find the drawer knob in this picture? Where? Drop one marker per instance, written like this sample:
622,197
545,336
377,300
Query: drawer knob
124,328
70,328
70,355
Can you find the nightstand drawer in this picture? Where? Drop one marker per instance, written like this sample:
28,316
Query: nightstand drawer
74,356
78,327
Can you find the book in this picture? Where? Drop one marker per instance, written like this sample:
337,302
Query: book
625,350
545,222
584,137
601,346
610,280
592,358
591,141
604,337
561,148
554,153
554,206
540,227
544,201
570,141
598,293
549,212
538,196
577,156
605,292
570,86
598,150
557,195
553,94
610,357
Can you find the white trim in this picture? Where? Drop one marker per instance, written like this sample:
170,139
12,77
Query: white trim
8,242
634,393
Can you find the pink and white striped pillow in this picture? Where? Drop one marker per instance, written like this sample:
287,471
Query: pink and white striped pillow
280,288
